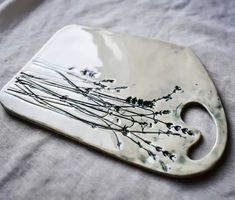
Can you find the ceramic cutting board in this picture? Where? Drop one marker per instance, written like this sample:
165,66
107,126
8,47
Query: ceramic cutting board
120,94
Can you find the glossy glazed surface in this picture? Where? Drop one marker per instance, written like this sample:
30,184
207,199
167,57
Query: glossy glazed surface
121,94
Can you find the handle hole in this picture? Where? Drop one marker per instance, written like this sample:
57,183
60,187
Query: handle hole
196,116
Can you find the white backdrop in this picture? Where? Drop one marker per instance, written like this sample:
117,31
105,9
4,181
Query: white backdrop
37,164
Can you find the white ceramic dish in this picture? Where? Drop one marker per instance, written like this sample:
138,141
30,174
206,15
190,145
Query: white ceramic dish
120,94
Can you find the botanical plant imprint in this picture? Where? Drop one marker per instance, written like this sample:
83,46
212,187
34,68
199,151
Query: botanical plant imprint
82,96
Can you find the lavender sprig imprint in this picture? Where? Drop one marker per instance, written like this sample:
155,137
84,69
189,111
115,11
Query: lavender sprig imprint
130,117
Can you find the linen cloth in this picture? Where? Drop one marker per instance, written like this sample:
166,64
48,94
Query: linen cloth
38,164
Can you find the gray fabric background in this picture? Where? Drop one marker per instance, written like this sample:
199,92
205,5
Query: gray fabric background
37,164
